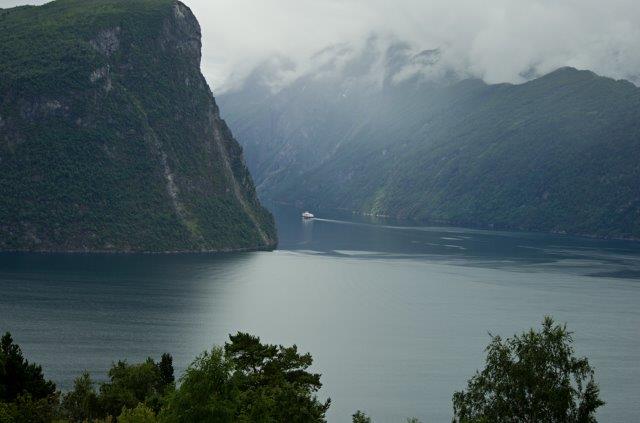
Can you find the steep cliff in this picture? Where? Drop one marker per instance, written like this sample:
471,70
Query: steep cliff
110,138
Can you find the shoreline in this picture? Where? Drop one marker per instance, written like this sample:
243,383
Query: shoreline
266,248
445,223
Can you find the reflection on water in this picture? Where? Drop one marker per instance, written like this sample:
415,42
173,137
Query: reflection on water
84,311
396,316
365,237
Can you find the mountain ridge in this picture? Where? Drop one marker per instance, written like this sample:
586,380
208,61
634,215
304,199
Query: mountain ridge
554,154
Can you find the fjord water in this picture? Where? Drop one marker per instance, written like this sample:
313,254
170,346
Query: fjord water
395,316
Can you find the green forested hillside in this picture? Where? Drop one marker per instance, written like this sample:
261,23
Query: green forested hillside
110,138
558,153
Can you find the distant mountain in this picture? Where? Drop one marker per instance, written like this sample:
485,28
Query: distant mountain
110,138
389,132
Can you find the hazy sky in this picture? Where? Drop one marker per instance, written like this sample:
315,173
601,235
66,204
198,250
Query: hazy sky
497,40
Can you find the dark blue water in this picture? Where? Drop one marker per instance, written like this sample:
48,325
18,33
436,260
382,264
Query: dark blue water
395,316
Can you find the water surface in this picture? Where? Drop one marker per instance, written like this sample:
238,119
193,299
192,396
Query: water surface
395,316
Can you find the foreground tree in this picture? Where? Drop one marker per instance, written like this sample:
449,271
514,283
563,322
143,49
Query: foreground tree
81,404
532,377
18,377
132,384
140,414
26,409
132,389
247,381
25,395
360,417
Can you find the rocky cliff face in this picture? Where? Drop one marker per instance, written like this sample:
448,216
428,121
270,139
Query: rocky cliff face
110,138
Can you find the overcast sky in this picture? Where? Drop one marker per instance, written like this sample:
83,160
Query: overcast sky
497,40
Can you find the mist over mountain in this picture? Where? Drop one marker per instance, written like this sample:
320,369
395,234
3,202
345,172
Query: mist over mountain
493,40
391,130
301,116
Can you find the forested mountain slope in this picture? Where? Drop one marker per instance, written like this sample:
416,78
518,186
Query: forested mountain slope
558,153
110,138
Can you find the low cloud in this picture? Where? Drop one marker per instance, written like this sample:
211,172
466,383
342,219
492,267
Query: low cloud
496,40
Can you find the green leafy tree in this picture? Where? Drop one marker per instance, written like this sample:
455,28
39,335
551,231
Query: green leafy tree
206,392
360,417
18,376
165,367
273,380
140,414
7,412
26,409
25,395
532,377
81,404
247,381
131,384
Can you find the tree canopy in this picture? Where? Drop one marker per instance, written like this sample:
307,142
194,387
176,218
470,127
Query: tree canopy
248,381
18,376
532,377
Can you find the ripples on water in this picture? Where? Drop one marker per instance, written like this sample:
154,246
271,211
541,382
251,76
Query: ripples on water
396,316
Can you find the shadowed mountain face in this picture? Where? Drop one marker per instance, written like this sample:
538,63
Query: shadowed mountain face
110,138
389,132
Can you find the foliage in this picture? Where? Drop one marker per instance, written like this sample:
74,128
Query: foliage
534,376
25,409
244,381
140,414
18,376
116,148
165,367
131,390
131,384
248,381
531,377
81,404
360,417
206,392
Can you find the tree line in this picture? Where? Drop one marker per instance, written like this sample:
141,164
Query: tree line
531,377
